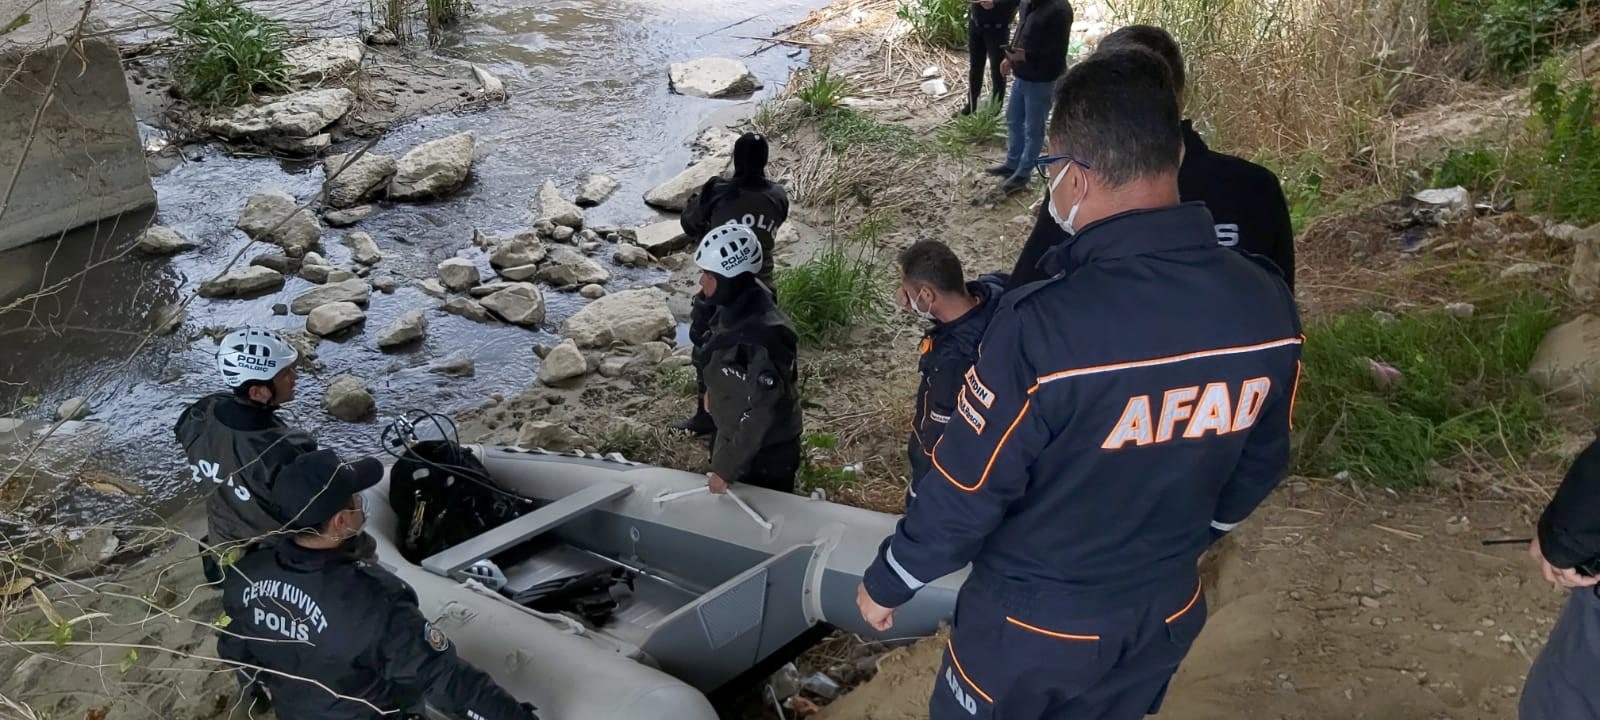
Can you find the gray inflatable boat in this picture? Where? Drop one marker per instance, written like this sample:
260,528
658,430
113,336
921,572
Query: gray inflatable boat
722,585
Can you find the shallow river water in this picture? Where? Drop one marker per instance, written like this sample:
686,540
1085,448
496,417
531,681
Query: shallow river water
588,92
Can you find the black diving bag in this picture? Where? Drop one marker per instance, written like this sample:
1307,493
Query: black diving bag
442,495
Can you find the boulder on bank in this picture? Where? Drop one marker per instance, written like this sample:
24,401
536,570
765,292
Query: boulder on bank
467,308
524,249
244,281
521,304
1584,279
273,216
556,209
162,240
1568,360
434,168
674,194
353,290
595,189
458,274
631,256
630,317
539,434
348,399
332,318
363,249
324,58
713,141
364,178
285,121
661,239
712,77
406,329
566,266
563,363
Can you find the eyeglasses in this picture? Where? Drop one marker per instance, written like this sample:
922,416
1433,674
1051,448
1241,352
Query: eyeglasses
1045,162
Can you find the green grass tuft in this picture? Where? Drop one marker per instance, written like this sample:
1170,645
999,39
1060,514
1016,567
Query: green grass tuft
677,380
942,23
1463,389
840,287
844,129
822,90
983,126
228,53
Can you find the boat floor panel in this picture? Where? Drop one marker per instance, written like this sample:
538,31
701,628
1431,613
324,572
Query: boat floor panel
651,601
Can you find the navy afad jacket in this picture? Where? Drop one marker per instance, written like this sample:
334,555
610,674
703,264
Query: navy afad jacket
946,351
1118,415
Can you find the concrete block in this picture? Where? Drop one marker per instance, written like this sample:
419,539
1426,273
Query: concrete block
85,161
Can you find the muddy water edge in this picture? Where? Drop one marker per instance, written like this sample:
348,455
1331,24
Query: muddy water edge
588,92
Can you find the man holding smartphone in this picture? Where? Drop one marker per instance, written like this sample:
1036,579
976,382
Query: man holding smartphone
1034,60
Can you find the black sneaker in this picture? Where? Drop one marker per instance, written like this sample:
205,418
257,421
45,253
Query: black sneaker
1001,171
1013,186
699,424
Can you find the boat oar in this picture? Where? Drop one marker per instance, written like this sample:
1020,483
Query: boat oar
669,497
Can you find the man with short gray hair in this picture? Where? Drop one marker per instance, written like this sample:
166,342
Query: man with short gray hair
1121,416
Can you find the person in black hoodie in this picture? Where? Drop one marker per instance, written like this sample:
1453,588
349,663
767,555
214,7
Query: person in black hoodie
933,288
749,199
751,368
1561,684
1245,199
1035,58
988,28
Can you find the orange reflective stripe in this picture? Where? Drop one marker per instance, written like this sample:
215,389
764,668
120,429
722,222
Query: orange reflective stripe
1186,608
957,663
992,457
1049,633
1294,393
1064,374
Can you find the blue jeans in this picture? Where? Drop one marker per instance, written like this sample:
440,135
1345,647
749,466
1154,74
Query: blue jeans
1025,121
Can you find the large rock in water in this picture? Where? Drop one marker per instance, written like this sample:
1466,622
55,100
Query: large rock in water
162,240
563,363
674,194
353,290
595,189
467,308
631,256
662,238
348,399
363,249
244,281
524,249
285,119
1585,276
406,329
433,168
363,178
458,274
556,209
712,77
521,304
631,317
325,58
1568,360
566,266
273,216
331,318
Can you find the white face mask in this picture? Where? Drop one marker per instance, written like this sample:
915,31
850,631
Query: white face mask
1072,214
919,312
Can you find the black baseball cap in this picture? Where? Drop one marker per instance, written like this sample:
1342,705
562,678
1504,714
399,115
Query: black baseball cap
317,485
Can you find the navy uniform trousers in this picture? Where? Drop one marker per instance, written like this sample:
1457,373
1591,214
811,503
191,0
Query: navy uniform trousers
1011,659
1564,682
